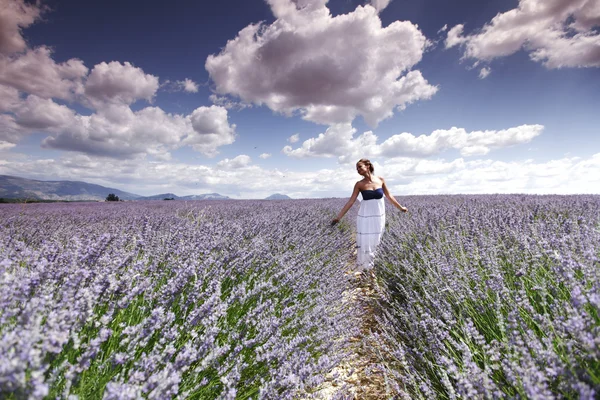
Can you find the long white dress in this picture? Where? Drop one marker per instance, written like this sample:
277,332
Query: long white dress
370,224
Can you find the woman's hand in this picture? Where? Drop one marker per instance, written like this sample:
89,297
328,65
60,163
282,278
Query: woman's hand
334,221
403,209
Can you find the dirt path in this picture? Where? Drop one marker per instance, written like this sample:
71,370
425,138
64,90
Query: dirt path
360,376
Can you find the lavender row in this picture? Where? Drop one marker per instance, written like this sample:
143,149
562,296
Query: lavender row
492,297
171,300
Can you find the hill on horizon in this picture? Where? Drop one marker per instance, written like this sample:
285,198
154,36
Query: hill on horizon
14,187
278,196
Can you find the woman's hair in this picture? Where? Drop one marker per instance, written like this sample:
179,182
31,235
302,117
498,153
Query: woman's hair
367,163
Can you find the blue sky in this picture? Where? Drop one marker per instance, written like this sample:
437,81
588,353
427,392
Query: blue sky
248,98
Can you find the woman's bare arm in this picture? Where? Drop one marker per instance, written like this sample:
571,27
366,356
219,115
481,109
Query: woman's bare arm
391,198
348,205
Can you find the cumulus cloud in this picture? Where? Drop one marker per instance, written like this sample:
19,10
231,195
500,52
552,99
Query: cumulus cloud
119,83
404,176
468,143
379,5
228,103
6,145
338,141
36,113
264,156
14,16
570,175
434,167
328,69
35,72
31,83
238,162
484,72
557,33
10,131
143,177
114,130
211,130
454,36
188,85
117,131
9,98
294,138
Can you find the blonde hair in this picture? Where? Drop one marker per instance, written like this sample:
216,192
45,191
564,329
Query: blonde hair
367,163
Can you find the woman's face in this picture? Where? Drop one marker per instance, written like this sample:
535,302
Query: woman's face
362,168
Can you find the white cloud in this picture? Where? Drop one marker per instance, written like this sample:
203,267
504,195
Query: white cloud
31,81
264,156
36,113
188,85
117,83
14,16
329,69
10,131
238,162
117,131
211,130
335,141
380,5
143,177
433,167
484,72
454,36
563,176
9,98
468,143
404,176
35,72
228,103
557,33
294,138
6,145
338,141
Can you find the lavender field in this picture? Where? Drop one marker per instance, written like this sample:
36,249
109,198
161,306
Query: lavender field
158,300
493,297
479,297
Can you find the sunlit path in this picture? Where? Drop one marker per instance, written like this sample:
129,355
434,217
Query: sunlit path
360,375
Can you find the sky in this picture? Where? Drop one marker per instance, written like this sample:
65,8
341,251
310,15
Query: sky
247,98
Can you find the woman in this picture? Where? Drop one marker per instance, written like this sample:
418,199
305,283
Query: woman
370,221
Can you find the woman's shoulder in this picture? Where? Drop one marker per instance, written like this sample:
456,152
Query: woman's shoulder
359,184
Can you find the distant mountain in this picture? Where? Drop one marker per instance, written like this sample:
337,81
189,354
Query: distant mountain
278,196
206,196
13,187
159,197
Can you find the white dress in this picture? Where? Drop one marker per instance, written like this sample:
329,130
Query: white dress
370,224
